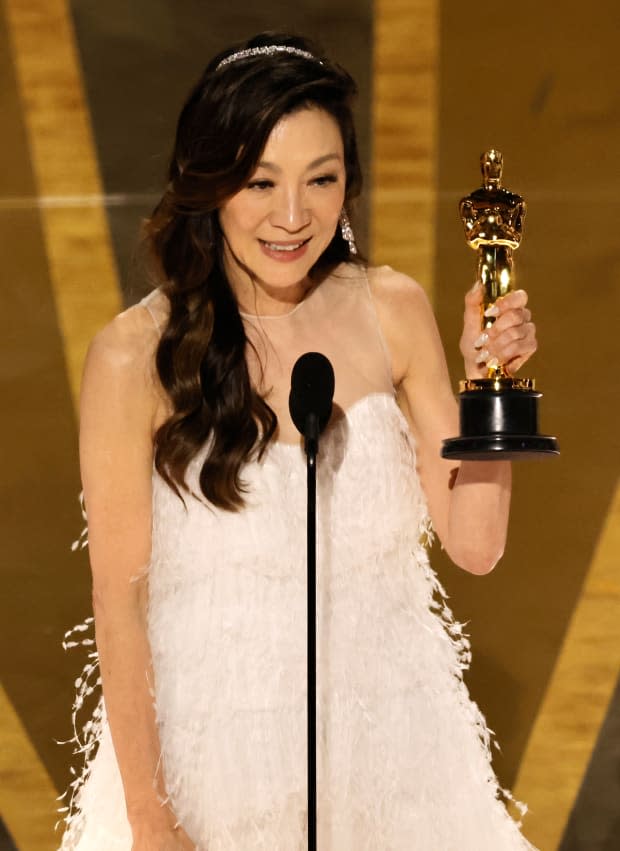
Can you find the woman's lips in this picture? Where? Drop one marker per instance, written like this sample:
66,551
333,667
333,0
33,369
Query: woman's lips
284,252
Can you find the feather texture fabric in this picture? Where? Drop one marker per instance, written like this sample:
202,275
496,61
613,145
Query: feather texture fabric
403,753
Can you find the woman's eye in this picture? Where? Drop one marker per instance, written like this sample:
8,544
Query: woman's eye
325,179
260,184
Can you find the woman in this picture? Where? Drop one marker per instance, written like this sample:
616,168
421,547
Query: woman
194,484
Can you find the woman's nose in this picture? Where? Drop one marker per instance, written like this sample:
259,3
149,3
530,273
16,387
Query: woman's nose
290,211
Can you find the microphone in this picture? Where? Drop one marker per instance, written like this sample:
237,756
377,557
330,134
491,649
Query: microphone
310,399
310,405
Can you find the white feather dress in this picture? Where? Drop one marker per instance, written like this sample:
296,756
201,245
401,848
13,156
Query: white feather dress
403,752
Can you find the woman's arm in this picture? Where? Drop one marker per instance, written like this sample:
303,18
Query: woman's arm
468,501
118,411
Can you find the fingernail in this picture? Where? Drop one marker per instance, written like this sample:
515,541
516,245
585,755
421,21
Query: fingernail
492,363
481,340
482,356
476,286
492,311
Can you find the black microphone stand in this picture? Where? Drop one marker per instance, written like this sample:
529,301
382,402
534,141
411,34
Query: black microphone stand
311,433
310,406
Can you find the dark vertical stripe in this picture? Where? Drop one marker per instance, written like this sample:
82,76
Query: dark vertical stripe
6,842
594,824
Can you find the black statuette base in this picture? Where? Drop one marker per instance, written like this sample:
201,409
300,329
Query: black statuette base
499,425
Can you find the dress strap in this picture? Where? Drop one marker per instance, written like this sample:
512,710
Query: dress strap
146,302
379,331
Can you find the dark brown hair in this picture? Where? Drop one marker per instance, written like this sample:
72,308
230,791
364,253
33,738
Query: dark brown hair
221,133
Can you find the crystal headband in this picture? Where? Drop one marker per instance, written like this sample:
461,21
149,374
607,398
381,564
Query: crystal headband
267,50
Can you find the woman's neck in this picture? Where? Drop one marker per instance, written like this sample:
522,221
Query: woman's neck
257,297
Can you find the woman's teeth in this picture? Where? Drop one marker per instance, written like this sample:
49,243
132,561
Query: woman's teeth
273,246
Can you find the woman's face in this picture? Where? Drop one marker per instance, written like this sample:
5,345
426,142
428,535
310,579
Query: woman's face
279,224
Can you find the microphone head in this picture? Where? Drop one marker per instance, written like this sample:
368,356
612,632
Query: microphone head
312,390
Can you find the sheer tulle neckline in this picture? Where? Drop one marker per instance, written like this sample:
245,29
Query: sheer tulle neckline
348,413
260,316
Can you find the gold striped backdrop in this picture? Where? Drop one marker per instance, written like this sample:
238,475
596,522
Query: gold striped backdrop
404,203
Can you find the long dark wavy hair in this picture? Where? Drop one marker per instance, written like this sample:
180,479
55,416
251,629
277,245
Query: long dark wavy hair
221,133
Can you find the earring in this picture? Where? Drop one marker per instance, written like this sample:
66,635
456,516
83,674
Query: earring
347,231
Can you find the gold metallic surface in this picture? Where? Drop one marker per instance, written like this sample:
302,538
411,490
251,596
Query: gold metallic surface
493,221
405,108
497,383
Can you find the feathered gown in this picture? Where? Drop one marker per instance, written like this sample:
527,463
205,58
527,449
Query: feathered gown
403,753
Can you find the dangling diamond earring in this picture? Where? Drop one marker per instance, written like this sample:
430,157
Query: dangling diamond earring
347,231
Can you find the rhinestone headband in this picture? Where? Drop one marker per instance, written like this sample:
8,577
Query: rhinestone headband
267,50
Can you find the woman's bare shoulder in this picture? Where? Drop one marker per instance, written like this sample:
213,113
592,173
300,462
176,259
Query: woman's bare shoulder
130,340
394,290
121,357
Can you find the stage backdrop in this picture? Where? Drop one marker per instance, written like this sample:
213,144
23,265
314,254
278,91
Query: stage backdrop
88,97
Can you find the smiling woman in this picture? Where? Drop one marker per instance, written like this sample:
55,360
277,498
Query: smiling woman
242,166
193,477
281,223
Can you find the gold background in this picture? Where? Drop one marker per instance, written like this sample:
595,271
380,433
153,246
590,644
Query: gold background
538,82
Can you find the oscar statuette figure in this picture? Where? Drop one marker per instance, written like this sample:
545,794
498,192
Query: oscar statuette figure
499,413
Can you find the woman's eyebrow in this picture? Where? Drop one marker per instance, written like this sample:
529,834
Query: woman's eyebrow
314,164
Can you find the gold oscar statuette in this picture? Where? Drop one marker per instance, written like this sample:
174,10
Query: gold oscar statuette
499,413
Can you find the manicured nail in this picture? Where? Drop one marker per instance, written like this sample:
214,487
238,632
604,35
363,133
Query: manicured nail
492,311
481,340
492,363
482,356
476,286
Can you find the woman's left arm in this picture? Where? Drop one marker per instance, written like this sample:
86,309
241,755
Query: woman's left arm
468,501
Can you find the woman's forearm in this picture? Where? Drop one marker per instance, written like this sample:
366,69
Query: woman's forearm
478,514
126,673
